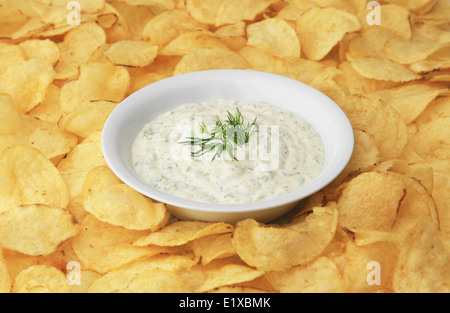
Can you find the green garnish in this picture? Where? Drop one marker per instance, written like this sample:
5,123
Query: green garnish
223,137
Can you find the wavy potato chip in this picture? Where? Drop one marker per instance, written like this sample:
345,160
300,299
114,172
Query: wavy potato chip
320,30
432,140
5,278
275,36
49,110
87,117
233,11
213,247
41,49
36,229
371,202
10,119
41,279
103,247
295,9
131,53
9,55
191,42
90,36
405,51
319,276
157,281
437,61
179,233
208,59
275,248
97,81
28,177
204,11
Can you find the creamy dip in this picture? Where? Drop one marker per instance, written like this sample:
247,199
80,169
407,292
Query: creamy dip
283,154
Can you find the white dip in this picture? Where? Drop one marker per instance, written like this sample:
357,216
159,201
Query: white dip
261,171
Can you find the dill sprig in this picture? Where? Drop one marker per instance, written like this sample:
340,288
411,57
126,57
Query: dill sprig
223,137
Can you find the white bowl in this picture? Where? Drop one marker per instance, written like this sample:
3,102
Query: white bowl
324,115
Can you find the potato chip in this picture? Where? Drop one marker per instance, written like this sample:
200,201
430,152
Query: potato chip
411,99
382,69
28,177
9,55
103,247
438,14
320,276
275,248
41,279
213,247
219,273
10,119
163,4
404,51
274,36
203,11
5,278
11,20
295,9
36,229
52,141
432,140
88,117
122,206
358,270
118,280
40,49
168,25
140,81
439,108
131,53
437,61
182,232
379,120
208,59
371,202
27,83
191,42
86,279
423,264
90,36
393,17
84,157
320,30
97,81
233,11
49,110
157,281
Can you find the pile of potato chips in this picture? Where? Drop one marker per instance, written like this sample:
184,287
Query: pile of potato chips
68,224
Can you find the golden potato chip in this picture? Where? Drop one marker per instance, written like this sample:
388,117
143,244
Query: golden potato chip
405,51
379,120
439,108
208,59
10,119
191,42
168,25
104,247
98,178
140,81
157,281
122,206
87,118
213,247
382,69
90,36
36,229
40,279
27,82
275,248
438,14
416,6
319,276
87,277
393,17
233,11
179,233
135,16
432,140
437,61
295,9
411,99
118,279
41,49
52,141
131,53
5,278
97,81
423,264
28,177
357,272
233,30
9,55
371,202
11,20
320,30
275,36
203,11
49,110
163,4
219,273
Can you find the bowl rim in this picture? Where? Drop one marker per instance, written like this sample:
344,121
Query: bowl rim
326,176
